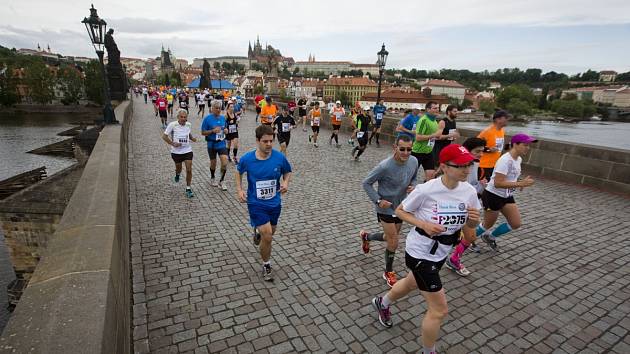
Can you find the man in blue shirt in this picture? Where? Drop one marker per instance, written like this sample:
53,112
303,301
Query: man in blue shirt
379,111
407,125
264,167
214,129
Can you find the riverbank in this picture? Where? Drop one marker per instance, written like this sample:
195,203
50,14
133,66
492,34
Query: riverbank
24,108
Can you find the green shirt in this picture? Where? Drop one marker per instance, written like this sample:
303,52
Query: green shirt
426,126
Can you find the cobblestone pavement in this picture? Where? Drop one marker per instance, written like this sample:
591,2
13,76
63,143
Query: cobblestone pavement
560,284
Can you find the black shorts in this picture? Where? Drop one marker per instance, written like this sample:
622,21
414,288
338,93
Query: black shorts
231,136
494,202
377,123
386,218
202,106
426,273
163,114
258,109
302,112
363,141
426,160
315,128
485,172
179,158
212,152
170,105
284,138
336,127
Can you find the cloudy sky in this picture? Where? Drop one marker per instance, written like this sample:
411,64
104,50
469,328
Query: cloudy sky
563,35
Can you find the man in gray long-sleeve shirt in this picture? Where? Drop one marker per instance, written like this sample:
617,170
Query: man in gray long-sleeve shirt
396,176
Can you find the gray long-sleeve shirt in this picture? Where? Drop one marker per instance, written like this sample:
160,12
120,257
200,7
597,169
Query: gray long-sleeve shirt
393,178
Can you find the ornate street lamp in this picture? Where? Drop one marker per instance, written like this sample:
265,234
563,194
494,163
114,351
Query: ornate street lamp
382,59
96,28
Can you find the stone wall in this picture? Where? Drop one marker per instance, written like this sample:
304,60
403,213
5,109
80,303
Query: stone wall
78,299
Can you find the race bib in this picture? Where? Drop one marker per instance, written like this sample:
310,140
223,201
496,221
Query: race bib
266,190
182,139
360,135
379,116
315,121
499,144
338,116
451,131
286,127
182,104
162,104
219,136
232,128
431,142
451,215
510,191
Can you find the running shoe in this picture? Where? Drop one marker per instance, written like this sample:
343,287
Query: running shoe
365,243
266,272
474,248
315,145
304,129
461,270
390,278
256,238
213,182
189,193
176,178
354,151
222,186
350,142
384,316
490,241
309,138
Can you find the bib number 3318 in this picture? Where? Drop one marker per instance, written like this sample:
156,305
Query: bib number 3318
266,189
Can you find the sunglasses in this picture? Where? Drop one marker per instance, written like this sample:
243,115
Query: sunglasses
402,149
460,166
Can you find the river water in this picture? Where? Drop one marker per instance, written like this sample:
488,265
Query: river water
20,133
605,134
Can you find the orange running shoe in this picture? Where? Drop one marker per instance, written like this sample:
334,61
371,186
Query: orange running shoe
390,278
365,244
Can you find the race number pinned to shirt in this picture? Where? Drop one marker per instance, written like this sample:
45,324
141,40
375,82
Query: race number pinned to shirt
219,136
181,138
451,132
360,135
379,116
232,128
316,121
266,190
451,215
499,143
431,142
286,127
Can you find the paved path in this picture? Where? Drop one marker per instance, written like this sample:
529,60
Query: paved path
560,284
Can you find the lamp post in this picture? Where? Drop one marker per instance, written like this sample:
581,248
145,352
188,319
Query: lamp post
96,28
382,59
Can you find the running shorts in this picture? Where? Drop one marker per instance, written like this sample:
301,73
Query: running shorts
302,112
426,273
231,136
258,109
494,202
315,128
377,123
216,148
386,218
179,158
426,160
336,127
260,215
163,114
284,138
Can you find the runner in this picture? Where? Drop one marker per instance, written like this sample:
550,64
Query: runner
169,101
162,106
231,123
183,101
283,125
145,93
315,116
363,124
499,193
257,101
439,210
356,110
407,125
264,167
396,176
302,111
336,117
154,97
268,111
476,147
213,128
426,133
200,98
178,135
448,127
495,140
379,112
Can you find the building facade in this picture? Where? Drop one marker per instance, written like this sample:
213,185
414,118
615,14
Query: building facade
607,76
354,87
449,88
401,100
198,62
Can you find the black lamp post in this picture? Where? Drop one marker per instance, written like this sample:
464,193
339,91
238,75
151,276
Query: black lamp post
382,59
96,28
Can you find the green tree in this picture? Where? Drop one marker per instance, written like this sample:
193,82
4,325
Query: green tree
8,87
40,82
296,70
567,108
466,103
590,75
623,77
487,106
519,91
94,82
70,83
258,89
216,65
518,107
283,95
343,97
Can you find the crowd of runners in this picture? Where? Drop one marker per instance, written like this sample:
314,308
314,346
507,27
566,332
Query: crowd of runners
444,209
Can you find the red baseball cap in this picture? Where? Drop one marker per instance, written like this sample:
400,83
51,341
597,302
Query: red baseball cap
456,154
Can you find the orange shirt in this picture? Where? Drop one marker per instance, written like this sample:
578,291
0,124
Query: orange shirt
337,115
268,113
494,138
316,116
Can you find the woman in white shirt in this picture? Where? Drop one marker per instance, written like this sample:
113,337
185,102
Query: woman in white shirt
439,210
499,193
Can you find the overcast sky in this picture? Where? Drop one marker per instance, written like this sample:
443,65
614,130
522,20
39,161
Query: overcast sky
563,35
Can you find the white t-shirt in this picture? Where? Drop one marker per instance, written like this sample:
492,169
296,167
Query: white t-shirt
144,91
179,134
435,203
511,168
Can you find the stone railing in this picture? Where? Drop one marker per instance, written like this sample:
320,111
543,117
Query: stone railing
78,299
